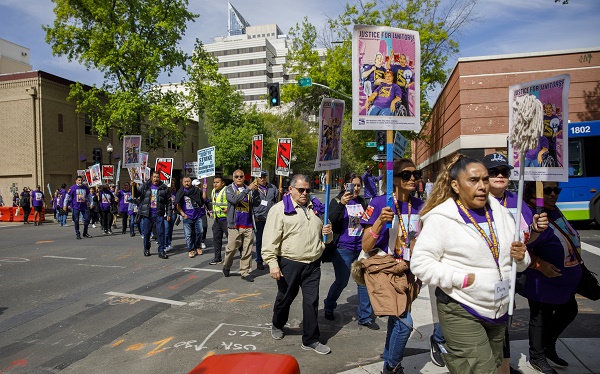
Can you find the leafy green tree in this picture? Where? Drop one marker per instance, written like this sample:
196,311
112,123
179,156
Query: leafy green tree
438,24
132,43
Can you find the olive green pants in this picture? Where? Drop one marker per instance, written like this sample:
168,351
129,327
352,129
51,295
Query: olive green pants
474,346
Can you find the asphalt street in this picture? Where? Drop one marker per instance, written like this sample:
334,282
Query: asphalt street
99,306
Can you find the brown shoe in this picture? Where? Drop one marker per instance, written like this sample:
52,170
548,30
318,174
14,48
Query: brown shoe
191,254
198,251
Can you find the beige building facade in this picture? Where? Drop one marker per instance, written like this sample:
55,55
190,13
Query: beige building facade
45,141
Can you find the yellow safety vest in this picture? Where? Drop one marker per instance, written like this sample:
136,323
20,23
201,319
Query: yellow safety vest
219,203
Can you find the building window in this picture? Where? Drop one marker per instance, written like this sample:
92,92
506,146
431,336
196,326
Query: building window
60,123
89,126
172,143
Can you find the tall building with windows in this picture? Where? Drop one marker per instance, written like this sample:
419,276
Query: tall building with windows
251,56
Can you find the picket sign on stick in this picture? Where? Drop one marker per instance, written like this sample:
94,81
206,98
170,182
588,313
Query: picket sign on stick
327,191
280,186
389,167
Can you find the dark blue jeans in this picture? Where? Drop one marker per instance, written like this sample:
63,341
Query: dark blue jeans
133,225
398,331
192,229
342,259
147,223
86,220
438,335
258,233
169,230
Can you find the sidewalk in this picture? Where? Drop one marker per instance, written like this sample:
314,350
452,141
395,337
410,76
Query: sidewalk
583,355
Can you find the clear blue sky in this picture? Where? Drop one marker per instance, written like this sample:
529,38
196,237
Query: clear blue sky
505,27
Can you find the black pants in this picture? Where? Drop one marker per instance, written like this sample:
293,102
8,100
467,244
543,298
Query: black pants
106,220
124,220
26,212
546,323
204,227
219,229
298,275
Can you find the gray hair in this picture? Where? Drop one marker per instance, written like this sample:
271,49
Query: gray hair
298,177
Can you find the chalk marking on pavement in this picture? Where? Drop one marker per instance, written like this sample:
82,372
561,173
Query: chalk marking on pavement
147,298
44,241
590,248
201,346
103,266
67,258
209,270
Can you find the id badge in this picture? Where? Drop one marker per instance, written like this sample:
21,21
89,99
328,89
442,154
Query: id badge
263,202
501,289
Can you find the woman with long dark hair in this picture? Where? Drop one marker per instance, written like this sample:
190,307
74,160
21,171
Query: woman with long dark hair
465,249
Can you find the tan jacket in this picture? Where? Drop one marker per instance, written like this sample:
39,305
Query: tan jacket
391,291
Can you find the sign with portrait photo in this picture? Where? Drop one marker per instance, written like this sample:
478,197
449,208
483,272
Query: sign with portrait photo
131,150
331,117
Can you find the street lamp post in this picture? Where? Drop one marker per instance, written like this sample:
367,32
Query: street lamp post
109,149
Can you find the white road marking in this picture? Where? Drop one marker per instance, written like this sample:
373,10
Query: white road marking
148,298
67,258
590,248
103,266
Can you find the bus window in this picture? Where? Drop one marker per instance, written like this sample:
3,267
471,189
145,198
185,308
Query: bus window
575,167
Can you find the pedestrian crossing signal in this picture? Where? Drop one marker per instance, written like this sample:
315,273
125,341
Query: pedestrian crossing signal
273,91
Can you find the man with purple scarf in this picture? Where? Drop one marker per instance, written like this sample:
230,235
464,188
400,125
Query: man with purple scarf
240,225
292,248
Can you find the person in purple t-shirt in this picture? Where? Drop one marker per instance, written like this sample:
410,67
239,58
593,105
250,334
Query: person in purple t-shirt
78,198
551,280
345,213
370,181
239,225
188,202
60,199
37,201
124,195
396,242
105,200
384,98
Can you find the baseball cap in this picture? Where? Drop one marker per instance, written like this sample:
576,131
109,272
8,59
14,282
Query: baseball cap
196,182
263,172
495,160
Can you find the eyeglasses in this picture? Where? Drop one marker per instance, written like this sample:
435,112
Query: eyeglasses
302,190
494,172
238,176
549,190
405,175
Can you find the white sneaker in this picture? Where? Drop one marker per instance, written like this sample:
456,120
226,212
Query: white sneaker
202,245
93,225
168,249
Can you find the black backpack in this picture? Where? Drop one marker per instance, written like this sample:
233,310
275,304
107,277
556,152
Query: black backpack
24,201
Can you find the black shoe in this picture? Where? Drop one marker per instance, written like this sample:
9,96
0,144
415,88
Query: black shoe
87,236
248,278
514,371
163,255
226,272
435,353
123,232
553,356
146,252
329,316
542,366
78,237
260,266
389,370
132,234
215,262
371,325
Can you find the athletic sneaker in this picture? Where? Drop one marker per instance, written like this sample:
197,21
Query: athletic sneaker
276,333
93,225
215,262
321,349
435,353
202,245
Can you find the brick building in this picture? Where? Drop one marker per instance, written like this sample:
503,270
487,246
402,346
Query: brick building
45,141
470,115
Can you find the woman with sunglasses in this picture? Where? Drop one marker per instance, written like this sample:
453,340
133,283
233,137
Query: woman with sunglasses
396,242
551,281
465,249
345,212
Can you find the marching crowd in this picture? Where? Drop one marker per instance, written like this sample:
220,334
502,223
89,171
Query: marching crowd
461,240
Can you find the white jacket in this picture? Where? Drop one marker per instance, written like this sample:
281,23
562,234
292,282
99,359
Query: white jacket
447,249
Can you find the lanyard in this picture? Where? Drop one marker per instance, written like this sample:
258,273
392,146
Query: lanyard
571,247
403,232
493,242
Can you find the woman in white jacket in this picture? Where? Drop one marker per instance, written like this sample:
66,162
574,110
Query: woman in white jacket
465,249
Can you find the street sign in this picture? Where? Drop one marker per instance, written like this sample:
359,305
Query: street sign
400,144
378,158
305,82
370,144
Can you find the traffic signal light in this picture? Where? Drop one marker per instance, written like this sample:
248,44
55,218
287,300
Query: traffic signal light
97,155
381,141
273,91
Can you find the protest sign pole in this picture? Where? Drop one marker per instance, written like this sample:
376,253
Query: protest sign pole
280,185
327,192
389,166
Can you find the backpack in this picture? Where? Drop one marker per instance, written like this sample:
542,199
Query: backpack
24,201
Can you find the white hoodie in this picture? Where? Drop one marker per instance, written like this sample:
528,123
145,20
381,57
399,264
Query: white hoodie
447,249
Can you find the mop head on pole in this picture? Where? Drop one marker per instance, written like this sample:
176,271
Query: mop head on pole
528,123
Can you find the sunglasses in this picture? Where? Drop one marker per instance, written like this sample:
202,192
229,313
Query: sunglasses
494,172
405,175
302,190
238,176
549,190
